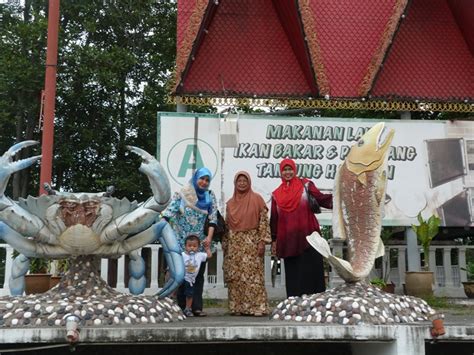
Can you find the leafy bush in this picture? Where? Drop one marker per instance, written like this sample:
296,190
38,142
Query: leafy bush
378,282
425,232
470,271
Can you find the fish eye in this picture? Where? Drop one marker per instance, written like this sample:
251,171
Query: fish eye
360,142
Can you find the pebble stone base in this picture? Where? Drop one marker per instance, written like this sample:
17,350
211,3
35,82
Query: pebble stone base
352,304
82,292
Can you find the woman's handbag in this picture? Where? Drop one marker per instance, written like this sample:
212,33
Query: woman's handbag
313,203
220,229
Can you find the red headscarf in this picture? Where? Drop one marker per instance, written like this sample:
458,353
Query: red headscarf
288,194
243,209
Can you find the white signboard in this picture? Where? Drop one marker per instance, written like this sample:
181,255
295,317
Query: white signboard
431,169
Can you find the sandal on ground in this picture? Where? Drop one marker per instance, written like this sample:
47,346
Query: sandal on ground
199,313
188,313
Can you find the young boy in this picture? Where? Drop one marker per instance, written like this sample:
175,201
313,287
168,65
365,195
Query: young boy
192,261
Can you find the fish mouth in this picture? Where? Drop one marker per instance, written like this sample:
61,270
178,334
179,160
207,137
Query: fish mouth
384,137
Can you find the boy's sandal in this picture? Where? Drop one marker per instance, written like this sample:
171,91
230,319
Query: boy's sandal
188,313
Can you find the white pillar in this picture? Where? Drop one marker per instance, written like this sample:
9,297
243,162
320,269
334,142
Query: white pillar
413,252
268,266
8,266
462,263
337,250
181,107
448,272
432,257
220,263
402,267
405,115
155,249
104,269
282,273
386,265
121,274
205,276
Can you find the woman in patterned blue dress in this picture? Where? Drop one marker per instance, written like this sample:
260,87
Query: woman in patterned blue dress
187,213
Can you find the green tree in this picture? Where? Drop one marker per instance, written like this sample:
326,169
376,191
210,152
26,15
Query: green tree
114,63
112,81
22,53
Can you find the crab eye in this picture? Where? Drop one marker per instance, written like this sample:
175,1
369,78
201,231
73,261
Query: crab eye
360,142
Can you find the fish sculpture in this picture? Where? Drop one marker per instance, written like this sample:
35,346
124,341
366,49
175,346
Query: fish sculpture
358,201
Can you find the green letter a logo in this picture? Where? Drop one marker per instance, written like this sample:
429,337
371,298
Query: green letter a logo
192,150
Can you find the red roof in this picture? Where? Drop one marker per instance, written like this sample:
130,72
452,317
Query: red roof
365,49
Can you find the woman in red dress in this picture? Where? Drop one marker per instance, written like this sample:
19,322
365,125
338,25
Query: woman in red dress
291,221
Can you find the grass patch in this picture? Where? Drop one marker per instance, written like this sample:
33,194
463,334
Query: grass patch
214,303
446,304
437,302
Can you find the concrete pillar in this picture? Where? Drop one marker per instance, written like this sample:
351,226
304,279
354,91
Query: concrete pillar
448,273
462,263
386,265
432,266
402,267
155,252
181,107
104,269
413,252
409,341
405,115
121,274
220,264
432,257
206,283
337,246
268,266
9,263
282,273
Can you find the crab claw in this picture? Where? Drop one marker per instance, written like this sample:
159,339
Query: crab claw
156,174
8,166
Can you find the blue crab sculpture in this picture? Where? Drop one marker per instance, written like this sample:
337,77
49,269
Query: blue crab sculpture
67,225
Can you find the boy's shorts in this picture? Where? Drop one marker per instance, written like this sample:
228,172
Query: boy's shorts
188,289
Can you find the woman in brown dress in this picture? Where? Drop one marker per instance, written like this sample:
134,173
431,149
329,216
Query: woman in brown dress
244,249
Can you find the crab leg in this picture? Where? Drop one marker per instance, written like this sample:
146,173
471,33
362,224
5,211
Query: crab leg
28,247
17,241
159,182
172,253
136,268
20,267
163,232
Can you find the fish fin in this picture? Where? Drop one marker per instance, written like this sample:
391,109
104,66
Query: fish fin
380,249
320,244
337,219
362,179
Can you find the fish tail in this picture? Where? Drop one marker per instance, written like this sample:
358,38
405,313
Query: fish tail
320,244
343,267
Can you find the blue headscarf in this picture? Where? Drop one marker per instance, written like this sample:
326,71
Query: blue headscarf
204,199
